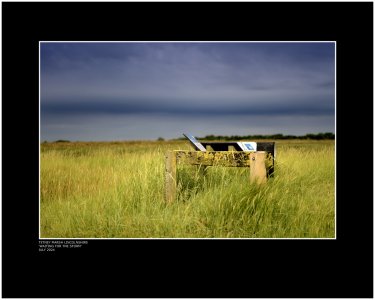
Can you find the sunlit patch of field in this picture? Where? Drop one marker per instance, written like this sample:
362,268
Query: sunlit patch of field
116,189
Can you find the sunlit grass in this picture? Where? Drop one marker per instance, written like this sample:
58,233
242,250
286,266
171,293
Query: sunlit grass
117,190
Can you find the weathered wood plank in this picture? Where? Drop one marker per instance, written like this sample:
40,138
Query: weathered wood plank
170,176
214,158
224,146
258,172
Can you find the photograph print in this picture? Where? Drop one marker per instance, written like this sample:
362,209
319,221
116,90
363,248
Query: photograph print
208,140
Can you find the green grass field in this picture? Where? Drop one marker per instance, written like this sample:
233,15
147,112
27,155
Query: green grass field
116,190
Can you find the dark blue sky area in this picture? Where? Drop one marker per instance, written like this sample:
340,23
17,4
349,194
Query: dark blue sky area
127,91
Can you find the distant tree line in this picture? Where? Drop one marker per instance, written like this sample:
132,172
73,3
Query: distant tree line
278,136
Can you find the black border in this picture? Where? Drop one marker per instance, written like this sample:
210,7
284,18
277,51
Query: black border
188,268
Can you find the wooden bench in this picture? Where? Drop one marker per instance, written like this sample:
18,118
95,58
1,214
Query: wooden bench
260,163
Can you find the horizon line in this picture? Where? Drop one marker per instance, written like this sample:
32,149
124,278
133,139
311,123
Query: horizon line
160,138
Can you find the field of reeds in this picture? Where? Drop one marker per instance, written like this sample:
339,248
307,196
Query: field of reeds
116,190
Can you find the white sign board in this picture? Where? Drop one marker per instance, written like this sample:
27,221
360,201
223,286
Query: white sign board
248,146
194,141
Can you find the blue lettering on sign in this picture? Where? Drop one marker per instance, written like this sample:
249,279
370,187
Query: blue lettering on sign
248,146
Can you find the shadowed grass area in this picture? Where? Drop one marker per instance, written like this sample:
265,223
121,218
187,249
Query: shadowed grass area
117,190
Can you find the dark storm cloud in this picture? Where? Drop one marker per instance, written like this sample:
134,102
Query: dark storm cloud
205,79
209,72
108,108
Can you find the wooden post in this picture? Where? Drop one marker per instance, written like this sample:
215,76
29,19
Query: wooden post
170,176
258,173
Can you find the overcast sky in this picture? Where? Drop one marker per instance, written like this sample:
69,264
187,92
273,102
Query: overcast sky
133,91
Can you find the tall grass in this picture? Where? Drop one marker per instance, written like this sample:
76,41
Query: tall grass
107,190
